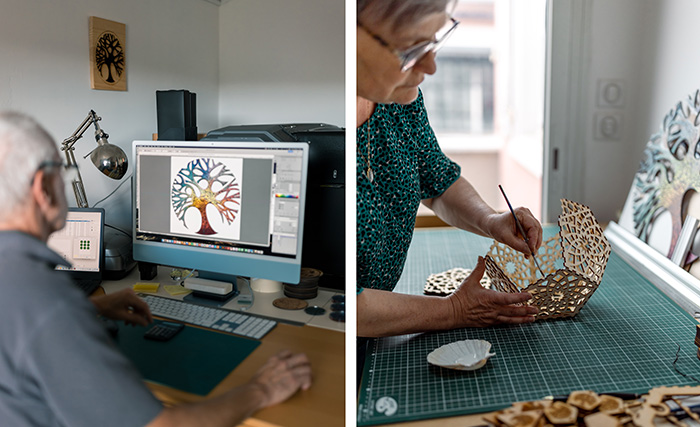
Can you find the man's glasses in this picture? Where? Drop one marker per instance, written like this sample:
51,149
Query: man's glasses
69,173
410,57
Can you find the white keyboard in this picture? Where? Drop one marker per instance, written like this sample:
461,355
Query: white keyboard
209,317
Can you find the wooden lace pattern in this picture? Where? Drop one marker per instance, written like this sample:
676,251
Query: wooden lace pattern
586,250
563,292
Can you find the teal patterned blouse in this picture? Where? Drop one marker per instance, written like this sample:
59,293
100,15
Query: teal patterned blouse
408,166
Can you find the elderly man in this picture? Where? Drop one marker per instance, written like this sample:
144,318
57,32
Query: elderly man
57,364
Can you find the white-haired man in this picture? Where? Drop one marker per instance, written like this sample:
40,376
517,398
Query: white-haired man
58,366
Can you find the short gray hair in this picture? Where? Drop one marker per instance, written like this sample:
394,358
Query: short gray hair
400,13
24,145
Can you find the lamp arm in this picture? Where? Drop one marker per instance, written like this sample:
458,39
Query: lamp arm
67,146
69,142
77,182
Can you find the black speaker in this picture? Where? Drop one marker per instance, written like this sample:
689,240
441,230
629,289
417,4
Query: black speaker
177,115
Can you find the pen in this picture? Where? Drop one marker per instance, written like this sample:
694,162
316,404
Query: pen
520,227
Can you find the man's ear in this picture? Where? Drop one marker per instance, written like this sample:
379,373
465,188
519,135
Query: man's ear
41,189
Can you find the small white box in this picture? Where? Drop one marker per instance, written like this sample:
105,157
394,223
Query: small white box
210,286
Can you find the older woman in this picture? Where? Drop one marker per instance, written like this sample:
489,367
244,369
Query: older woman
400,165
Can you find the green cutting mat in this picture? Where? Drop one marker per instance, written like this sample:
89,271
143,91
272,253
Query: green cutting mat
195,360
624,340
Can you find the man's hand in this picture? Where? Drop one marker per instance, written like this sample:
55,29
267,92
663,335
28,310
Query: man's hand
475,306
282,375
123,305
503,228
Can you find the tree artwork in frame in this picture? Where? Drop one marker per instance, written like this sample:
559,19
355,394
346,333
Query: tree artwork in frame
107,54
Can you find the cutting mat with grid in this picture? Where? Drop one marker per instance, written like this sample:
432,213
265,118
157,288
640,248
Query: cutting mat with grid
624,340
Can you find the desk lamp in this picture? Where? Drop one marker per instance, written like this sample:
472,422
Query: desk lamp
107,158
111,161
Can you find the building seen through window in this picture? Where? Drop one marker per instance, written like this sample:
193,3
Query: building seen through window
486,100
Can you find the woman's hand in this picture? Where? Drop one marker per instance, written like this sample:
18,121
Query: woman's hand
123,305
502,227
475,306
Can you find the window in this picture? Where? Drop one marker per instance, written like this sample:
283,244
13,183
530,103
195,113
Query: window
462,98
486,100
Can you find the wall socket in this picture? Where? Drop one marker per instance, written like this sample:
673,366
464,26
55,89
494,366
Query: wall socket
608,126
611,93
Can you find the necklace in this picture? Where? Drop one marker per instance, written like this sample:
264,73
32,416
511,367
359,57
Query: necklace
368,160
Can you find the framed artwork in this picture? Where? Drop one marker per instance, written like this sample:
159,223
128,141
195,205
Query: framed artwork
107,54
667,183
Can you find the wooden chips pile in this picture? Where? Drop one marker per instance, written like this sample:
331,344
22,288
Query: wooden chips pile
582,408
586,408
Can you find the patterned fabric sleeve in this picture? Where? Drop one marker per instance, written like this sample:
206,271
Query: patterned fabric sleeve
437,171
408,166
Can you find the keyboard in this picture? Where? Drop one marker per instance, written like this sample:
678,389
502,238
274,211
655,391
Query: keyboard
210,317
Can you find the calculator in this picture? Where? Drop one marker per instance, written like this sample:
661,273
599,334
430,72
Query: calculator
163,331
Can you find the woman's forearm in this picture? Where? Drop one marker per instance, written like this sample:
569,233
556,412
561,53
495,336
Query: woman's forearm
385,313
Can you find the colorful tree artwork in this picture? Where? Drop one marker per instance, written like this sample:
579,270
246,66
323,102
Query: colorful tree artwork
669,170
204,184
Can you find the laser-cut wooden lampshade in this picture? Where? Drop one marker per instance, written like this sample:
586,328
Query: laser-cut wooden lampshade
562,292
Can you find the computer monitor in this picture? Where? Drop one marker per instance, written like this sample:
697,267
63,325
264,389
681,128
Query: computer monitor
81,243
222,208
324,236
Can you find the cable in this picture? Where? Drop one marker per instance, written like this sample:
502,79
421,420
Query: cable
677,370
113,191
182,280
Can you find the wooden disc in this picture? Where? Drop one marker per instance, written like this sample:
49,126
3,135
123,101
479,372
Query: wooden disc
289,303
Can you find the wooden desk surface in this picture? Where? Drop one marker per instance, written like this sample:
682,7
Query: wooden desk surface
323,404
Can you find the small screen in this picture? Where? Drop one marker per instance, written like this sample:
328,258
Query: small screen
223,197
79,242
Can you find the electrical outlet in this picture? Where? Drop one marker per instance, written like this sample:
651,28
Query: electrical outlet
608,126
611,93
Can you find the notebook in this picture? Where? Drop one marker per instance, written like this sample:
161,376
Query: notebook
81,243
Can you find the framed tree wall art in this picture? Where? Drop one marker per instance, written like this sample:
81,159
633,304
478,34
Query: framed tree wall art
107,54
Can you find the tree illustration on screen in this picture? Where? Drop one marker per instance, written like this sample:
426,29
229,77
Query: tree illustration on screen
203,183
109,53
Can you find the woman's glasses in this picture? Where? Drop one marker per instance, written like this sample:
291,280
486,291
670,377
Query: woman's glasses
410,57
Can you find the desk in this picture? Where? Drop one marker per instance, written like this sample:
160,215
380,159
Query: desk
324,344
624,339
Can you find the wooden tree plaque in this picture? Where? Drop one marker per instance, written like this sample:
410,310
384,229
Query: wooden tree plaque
107,54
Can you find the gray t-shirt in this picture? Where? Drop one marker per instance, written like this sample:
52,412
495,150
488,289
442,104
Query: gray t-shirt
58,365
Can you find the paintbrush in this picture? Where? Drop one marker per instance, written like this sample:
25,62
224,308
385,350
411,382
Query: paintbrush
520,227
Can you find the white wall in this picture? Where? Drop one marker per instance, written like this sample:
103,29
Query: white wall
669,61
282,61
44,71
247,61
648,44
617,51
